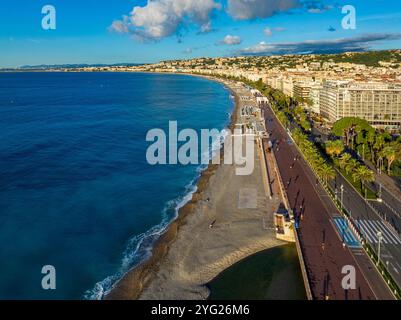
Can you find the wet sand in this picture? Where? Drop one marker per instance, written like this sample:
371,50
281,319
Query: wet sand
190,253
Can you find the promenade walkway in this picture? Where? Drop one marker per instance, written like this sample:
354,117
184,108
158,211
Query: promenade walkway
324,252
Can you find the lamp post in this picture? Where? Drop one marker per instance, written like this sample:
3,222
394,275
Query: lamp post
380,193
342,196
380,238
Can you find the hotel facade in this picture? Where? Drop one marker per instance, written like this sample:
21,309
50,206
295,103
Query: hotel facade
378,103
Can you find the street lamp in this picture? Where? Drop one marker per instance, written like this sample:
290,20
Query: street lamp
342,196
380,193
380,238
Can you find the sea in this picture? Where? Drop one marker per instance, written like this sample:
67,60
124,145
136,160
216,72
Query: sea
76,190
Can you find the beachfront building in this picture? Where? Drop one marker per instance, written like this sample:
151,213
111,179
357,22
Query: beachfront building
314,97
378,103
287,86
302,89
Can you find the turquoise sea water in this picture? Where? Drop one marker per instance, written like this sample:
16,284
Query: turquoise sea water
76,191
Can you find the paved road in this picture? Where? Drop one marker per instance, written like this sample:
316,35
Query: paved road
321,244
370,222
390,208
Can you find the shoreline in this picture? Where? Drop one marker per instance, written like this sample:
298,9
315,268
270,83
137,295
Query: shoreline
131,285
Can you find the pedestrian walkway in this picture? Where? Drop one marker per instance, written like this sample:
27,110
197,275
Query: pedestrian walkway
370,228
346,233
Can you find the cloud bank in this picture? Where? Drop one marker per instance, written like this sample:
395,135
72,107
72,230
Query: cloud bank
360,43
163,18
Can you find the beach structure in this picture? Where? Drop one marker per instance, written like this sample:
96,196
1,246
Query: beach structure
284,225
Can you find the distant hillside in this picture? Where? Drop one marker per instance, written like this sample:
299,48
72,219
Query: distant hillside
371,58
75,66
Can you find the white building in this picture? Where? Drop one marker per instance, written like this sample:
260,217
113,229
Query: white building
378,103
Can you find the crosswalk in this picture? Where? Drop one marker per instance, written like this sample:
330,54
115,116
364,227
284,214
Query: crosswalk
370,228
346,233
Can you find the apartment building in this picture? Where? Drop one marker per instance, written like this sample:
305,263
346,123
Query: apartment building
301,89
314,97
378,103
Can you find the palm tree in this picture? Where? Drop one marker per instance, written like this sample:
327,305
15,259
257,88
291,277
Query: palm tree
380,161
351,166
297,135
364,175
334,148
283,119
390,153
330,148
371,138
326,172
344,160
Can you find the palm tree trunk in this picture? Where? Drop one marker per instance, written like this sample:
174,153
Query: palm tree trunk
389,167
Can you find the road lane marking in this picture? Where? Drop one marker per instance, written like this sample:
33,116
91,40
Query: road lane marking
370,228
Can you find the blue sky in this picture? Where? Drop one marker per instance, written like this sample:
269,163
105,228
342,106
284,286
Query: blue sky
180,29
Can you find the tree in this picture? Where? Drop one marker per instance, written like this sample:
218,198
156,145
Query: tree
334,148
364,175
344,160
283,119
326,172
378,146
351,166
349,128
371,138
390,153
297,135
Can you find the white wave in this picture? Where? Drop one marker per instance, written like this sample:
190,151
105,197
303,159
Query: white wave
140,246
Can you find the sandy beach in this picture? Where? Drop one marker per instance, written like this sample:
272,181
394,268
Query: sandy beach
191,253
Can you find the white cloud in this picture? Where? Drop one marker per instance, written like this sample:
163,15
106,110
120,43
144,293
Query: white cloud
279,29
261,47
162,18
231,40
268,32
315,6
120,26
253,9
